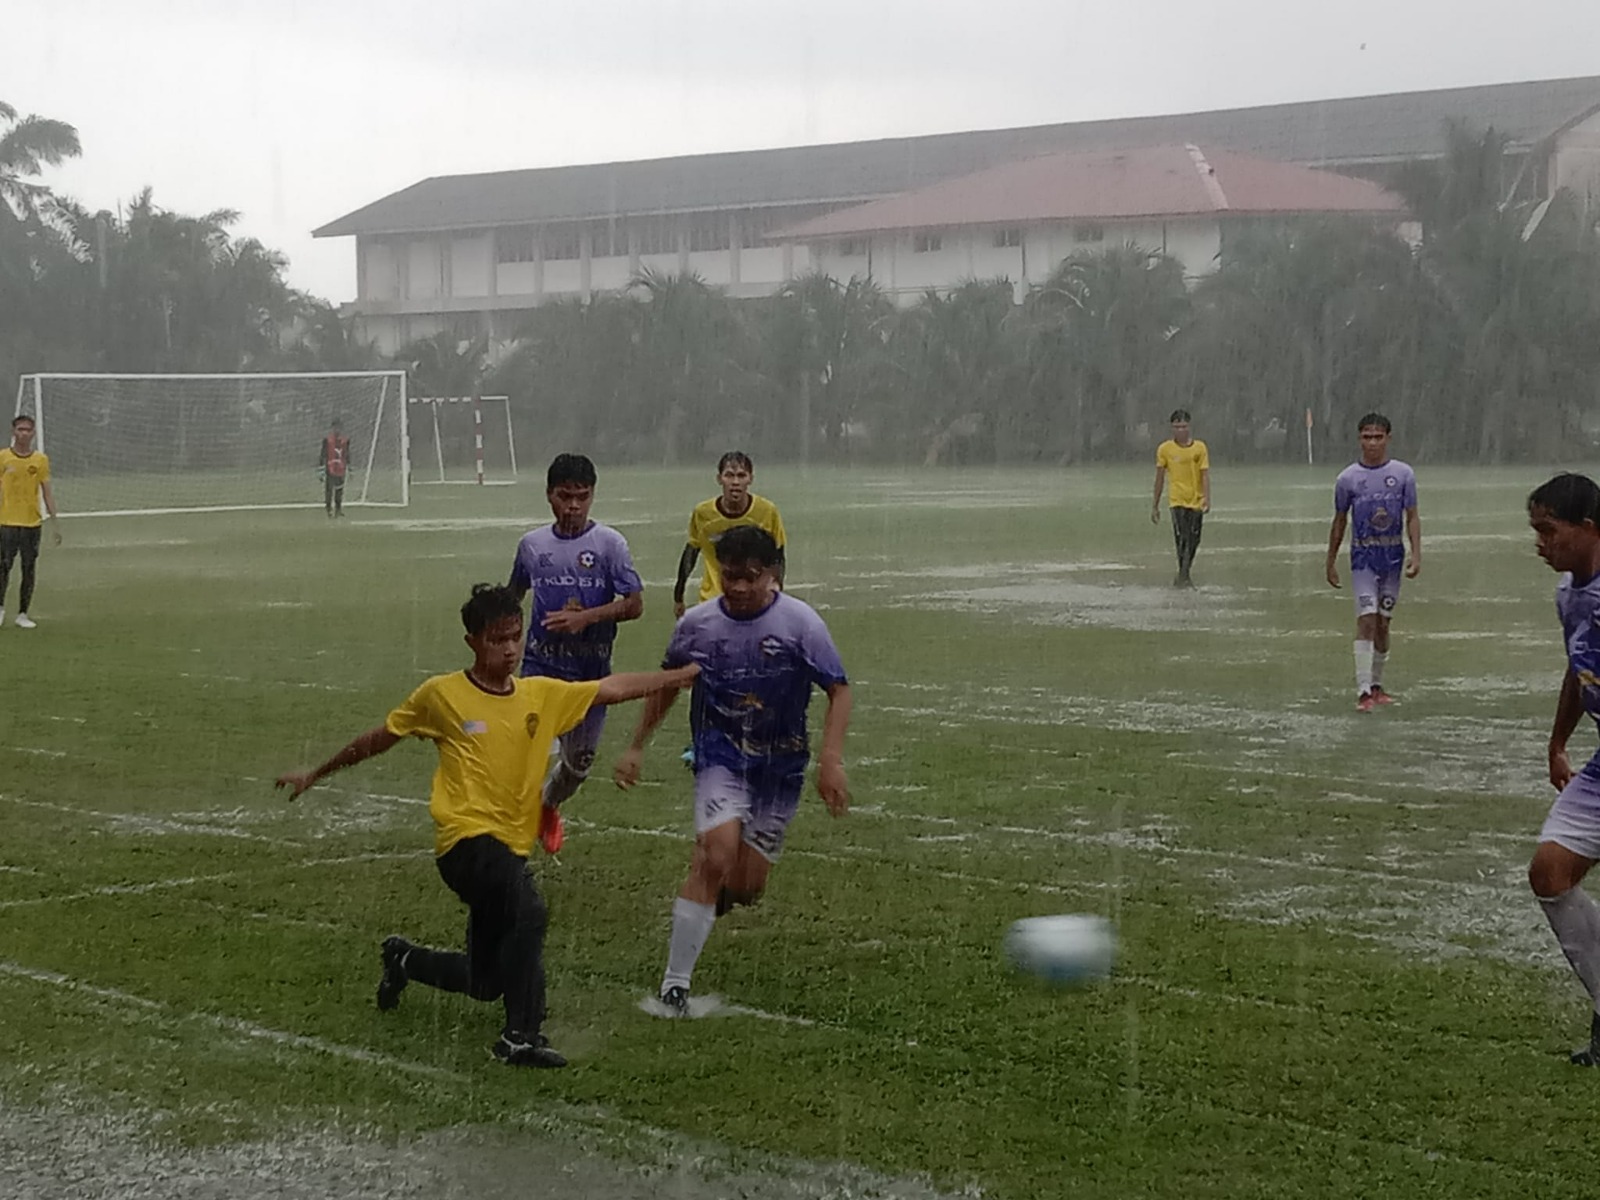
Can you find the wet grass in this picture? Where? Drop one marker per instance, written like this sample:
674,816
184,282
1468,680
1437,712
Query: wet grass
1331,981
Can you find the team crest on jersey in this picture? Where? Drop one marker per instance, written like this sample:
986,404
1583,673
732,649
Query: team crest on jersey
32,470
532,723
586,560
771,646
1389,481
573,605
1380,519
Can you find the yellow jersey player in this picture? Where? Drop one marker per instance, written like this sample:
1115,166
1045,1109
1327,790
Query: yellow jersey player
493,732
1183,461
737,505
24,477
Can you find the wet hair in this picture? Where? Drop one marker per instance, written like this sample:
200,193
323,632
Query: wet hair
1568,497
735,458
569,468
1374,418
21,417
490,602
747,543
1178,414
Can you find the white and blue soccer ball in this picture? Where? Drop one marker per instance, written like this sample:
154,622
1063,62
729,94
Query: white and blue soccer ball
1071,949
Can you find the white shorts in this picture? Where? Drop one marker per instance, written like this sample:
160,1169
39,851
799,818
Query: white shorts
763,805
1375,592
1574,820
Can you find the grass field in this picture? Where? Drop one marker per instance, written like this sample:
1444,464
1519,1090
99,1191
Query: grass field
1332,979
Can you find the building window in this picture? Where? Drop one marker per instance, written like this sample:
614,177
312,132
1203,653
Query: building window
709,231
1088,233
562,242
853,248
514,246
657,235
608,238
926,243
1007,238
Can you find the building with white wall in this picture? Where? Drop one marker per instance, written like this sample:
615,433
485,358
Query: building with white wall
474,253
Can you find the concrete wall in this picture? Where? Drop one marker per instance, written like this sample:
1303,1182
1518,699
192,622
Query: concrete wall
1576,162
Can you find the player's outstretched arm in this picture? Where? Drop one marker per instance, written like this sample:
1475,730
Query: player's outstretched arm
686,562
615,689
358,749
832,785
1414,536
656,706
1335,540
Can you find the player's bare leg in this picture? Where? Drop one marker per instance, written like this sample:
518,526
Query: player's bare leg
1556,875
694,912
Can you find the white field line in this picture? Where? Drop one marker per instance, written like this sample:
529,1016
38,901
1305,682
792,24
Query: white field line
231,1025
155,824
159,885
254,681
579,1125
37,750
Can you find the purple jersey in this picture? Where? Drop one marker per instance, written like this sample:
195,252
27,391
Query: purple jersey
1578,606
749,703
585,571
1377,499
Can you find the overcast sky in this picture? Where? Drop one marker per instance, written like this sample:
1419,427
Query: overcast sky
295,112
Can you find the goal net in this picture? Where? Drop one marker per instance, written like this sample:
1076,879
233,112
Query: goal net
122,444
462,439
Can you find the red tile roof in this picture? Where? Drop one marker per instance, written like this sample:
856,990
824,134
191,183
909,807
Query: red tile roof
1160,181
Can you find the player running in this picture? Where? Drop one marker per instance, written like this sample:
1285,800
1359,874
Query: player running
493,732
737,505
583,583
1565,516
759,651
1378,492
24,477
1186,461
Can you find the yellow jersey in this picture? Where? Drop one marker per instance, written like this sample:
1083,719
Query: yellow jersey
707,523
493,752
20,478
1183,465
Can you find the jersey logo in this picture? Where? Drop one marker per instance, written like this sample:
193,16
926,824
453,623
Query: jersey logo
32,470
474,727
531,722
586,560
1379,519
573,605
771,646
1389,481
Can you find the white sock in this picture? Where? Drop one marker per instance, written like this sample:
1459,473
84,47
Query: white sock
1364,657
1576,922
1379,657
691,926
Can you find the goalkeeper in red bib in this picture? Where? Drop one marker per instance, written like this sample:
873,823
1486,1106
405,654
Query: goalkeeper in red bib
333,459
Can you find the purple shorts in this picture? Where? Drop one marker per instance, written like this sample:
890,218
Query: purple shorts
1574,820
763,804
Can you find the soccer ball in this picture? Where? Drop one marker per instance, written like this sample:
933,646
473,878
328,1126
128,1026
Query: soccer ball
1070,949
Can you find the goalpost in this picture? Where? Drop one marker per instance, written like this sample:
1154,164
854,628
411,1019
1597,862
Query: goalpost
126,444
464,439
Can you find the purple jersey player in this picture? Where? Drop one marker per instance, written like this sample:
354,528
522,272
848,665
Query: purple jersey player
1565,516
583,583
760,653
1379,495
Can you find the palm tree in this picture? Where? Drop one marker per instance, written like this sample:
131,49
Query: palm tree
1098,330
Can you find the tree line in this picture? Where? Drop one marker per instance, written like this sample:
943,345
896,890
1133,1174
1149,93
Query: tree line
1482,343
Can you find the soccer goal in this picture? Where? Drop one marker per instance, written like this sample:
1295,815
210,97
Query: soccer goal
125,444
463,439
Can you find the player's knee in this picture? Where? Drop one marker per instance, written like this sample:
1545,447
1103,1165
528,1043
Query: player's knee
1549,879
